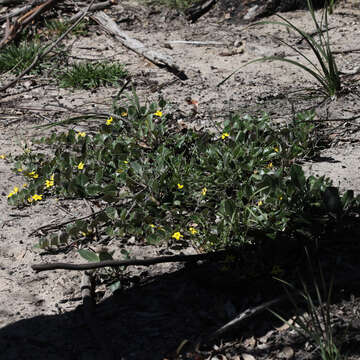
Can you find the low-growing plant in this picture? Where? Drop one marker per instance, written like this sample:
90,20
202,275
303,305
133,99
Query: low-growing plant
58,27
92,75
16,58
156,182
326,71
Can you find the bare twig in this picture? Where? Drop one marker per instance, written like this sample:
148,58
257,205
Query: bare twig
160,60
95,7
138,262
43,52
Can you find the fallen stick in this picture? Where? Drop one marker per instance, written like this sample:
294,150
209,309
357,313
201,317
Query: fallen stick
128,262
160,60
41,53
205,43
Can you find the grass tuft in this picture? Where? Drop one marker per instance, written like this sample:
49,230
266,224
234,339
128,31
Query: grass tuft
92,75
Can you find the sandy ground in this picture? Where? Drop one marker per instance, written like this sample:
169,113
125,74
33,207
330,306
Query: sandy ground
39,313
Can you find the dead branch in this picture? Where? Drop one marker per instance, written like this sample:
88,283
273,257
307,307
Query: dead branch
194,12
137,262
44,51
14,29
160,60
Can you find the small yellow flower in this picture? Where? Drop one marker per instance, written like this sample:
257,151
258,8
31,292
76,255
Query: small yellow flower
152,226
180,186
20,170
35,197
25,185
81,165
260,203
280,197
2,156
270,165
193,231
124,114
52,177
177,235
126,162
224,135
15,191
33,174
203,191
158,113
49,183
80,134
109,121
276,149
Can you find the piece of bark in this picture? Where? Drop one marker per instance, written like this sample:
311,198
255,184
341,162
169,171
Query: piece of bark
160,60
193,13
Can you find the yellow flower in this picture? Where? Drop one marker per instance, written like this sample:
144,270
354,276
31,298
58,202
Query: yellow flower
49,183
179,186
224,135
20,170
25,185
15,191
276,149
109,121
270,165
260,203
52,177
2,156
177,235
193,231
280,197
152,226
81,165
80,134
35,197
158,113
126,162
124,113
203,191
33,174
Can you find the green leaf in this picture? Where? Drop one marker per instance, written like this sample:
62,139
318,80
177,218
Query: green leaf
88,255
297,176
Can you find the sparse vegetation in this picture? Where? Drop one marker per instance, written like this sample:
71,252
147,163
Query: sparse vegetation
326,71
92,75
